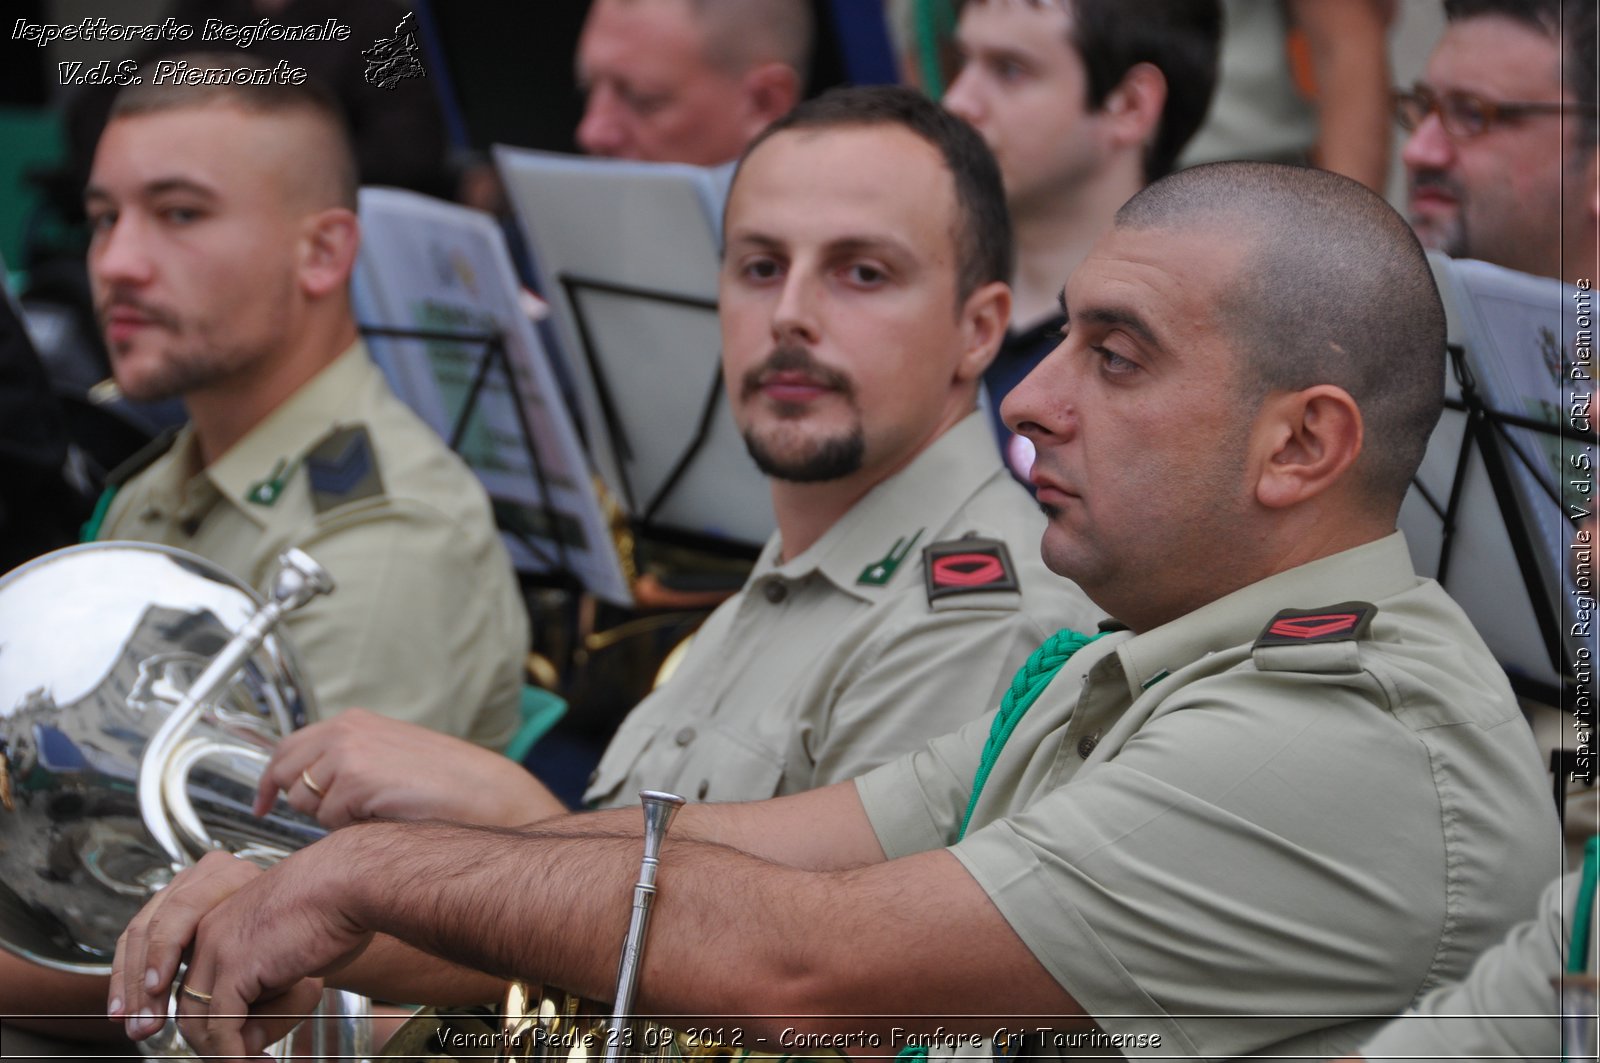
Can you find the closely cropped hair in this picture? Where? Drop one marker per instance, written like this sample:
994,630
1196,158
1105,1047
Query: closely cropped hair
1571,22
983,226
1335,289
741,33
266,98
1180,38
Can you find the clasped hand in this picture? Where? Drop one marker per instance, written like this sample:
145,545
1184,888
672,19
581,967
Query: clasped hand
257,943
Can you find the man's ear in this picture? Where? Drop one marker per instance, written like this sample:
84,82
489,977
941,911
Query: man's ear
984,317
1132,111
1306,443
770,91
328,250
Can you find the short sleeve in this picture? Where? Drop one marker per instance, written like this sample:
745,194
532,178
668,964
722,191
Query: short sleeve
1126,883
916,802
1507,1005
412,630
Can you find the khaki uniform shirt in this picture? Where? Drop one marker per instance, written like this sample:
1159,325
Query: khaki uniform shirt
1224,848
1506,1008
426,622
824,666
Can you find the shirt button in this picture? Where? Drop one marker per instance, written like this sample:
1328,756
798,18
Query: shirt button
684,737
705,788
1086,745
776,591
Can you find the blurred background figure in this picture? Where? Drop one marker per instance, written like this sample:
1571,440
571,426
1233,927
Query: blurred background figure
1502,161
688,80
1083,103
1302,81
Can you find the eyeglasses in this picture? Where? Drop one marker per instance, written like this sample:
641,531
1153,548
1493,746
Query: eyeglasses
1464,115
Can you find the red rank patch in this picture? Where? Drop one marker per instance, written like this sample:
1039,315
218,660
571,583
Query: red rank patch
966,566
1315,627
967,570
1334,623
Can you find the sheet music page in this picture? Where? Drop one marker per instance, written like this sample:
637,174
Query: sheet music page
430,265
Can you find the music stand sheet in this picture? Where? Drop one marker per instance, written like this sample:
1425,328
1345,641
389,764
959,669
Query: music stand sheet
430,265
629,254
1510,326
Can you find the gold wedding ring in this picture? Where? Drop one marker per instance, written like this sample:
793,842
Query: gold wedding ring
194,994
305,777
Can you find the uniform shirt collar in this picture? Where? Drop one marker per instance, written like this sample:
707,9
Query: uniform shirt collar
1370,572
290,430
921,498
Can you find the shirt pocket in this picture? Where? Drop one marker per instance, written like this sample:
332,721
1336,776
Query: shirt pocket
721,764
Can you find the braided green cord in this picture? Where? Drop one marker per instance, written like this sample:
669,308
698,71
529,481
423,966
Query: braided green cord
1583,914
91,528
1026,686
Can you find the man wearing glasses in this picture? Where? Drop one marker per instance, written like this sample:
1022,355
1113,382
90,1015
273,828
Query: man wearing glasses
1502,162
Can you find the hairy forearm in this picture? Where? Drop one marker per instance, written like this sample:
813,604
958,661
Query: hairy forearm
820,830
552,906
29,992
394,971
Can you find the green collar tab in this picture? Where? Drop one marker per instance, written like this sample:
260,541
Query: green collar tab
882,570
265,492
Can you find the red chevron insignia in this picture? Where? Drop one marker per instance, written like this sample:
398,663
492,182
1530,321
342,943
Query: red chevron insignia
1314,627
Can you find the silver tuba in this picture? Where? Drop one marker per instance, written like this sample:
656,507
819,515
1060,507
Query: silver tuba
141,691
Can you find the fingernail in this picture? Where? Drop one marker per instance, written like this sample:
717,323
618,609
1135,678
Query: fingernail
152,979
144,1022
114,1009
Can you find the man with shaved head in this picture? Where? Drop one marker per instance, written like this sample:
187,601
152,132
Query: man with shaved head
1285,792
688,80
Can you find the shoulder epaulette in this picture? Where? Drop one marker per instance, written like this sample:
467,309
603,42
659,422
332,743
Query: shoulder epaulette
1314,640
142,458
1345,622
967,566
342,468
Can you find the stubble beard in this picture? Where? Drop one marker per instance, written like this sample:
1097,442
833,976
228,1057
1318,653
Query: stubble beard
832,458
783,451
1447,235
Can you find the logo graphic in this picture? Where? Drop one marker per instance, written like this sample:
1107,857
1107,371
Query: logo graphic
391,60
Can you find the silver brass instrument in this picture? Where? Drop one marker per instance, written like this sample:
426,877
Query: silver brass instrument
548,1025
141,691
659,809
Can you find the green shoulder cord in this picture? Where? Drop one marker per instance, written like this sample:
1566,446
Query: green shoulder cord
935,24
91,528
1583,914
1026,686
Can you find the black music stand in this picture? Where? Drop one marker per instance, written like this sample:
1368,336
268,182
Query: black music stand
494,357
1488,434
645,517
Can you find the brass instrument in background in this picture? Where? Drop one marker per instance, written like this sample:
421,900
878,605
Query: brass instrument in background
549,1024
141,691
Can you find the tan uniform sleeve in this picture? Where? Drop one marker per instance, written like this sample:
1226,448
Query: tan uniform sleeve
411,631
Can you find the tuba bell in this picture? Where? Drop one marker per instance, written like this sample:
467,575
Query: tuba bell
103,647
